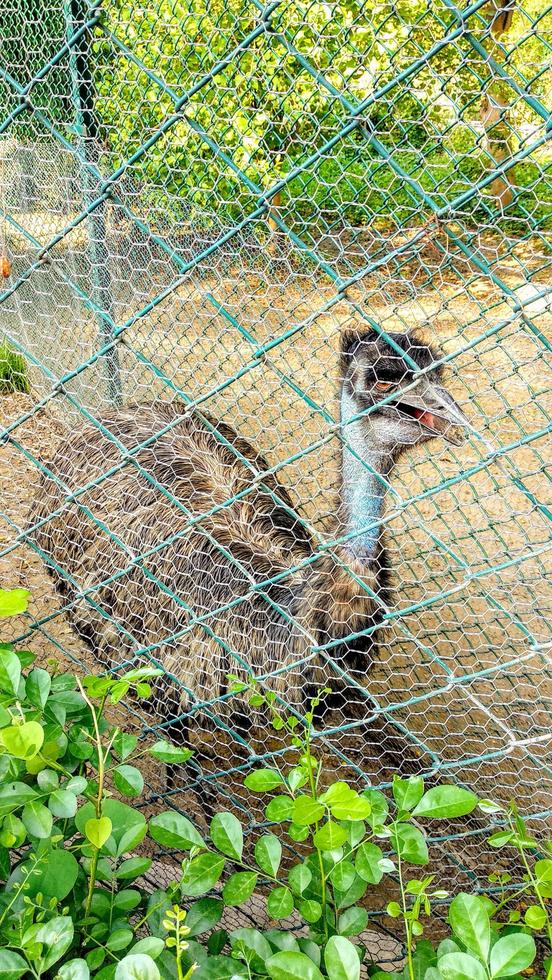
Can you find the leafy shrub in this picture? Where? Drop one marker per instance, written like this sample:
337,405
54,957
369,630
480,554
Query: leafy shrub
74,903
13,370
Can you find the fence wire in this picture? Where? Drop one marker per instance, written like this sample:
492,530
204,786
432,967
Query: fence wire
200,202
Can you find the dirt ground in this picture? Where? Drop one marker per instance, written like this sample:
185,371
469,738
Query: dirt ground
467,669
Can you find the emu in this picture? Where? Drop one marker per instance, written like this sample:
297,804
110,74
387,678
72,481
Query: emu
182,552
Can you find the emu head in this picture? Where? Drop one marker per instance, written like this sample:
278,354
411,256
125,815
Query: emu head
402,406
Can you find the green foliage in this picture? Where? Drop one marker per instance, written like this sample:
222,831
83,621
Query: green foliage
14,374
73,905
263,115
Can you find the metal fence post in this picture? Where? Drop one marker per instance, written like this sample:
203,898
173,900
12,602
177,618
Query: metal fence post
86,128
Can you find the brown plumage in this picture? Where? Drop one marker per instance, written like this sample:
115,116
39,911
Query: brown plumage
188,552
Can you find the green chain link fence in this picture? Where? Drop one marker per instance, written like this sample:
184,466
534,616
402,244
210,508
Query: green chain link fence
197,199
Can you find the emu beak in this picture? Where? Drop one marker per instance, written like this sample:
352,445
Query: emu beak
432,406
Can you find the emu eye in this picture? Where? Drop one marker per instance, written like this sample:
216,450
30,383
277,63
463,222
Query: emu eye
384,386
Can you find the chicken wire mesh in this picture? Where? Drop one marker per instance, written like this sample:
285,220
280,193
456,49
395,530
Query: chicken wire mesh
203,206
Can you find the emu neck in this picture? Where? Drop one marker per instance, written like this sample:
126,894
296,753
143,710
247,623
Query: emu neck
364,472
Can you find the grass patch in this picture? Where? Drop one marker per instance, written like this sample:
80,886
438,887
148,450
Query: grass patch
14,374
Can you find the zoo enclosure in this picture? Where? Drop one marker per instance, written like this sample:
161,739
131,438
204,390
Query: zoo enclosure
197,198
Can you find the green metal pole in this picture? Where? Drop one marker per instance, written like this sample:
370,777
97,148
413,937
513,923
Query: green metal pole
86,128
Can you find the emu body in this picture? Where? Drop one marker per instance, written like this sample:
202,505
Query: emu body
182,553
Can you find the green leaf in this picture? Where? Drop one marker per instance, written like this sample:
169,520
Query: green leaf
353,921
217,941
446,801
282,940
543,871
353,894
367,861
341,959
204,915
263,780
280,808
14,795
535,917
37,686
512,954
150,945
310,909
13,602
124,745
48,780
345,803
409,843
252,947
95,958
338,792
239,887
167,752
97,830
218,968
63,803
119,939
26,658
129,824
469,920
10,669
23,741
128,780
171,829
380,808
342,875
133,868
447,946
407,792
37,819
501,838
297,833
268,853
77,785
137,966
288,965
13,833
310,949
227,834
280,903
12,965
356,808
201,874
5,865
127,899
74,970
461,966
57,877
299,878
424,960
56,935
306,811
330,836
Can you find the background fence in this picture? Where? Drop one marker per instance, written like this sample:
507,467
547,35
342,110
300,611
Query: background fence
197,198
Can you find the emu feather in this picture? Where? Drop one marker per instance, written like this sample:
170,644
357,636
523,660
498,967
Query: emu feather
176,549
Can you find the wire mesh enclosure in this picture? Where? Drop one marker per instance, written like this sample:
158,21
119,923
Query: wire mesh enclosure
280,278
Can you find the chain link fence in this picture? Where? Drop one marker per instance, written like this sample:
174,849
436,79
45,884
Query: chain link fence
199,202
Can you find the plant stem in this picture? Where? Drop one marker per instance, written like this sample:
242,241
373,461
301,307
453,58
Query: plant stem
314,793
536,890
405,919
178,951
20,888
99,797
